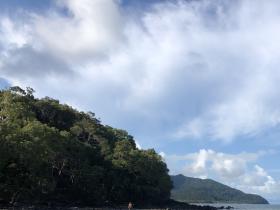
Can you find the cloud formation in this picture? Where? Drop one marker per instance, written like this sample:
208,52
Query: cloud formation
208,68
226,166
88,29
237,170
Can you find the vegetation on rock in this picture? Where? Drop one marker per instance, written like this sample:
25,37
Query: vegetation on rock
52,153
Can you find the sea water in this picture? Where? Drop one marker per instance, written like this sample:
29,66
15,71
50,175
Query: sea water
249,206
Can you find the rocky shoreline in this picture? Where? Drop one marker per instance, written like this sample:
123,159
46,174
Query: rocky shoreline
170,205
186,207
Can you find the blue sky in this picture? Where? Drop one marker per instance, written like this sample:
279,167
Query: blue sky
196,80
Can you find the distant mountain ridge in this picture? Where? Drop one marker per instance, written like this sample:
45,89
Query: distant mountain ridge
195,190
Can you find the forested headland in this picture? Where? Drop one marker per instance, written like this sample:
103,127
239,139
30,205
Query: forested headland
51,153
195,190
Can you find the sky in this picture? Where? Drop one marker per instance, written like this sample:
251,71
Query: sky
197,80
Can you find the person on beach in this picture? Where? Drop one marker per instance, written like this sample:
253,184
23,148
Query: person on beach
130,206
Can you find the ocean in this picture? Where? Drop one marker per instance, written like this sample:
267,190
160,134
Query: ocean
249,206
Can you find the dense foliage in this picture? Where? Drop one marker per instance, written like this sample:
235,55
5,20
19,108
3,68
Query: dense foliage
196,190
51,153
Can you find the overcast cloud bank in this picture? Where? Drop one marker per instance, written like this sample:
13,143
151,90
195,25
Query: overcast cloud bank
210,65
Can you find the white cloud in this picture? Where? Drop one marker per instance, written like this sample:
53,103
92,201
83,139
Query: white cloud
92,28
223,165
204,69
13,34
199,165
260,182
138,145
226,166
192,129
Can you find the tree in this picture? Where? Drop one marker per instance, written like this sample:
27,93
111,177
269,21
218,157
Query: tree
50,152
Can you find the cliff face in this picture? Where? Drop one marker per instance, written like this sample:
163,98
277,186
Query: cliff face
194,190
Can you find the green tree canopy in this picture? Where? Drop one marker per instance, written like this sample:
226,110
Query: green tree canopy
50,152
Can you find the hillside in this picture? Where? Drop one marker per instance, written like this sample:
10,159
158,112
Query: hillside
196,190
52,154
